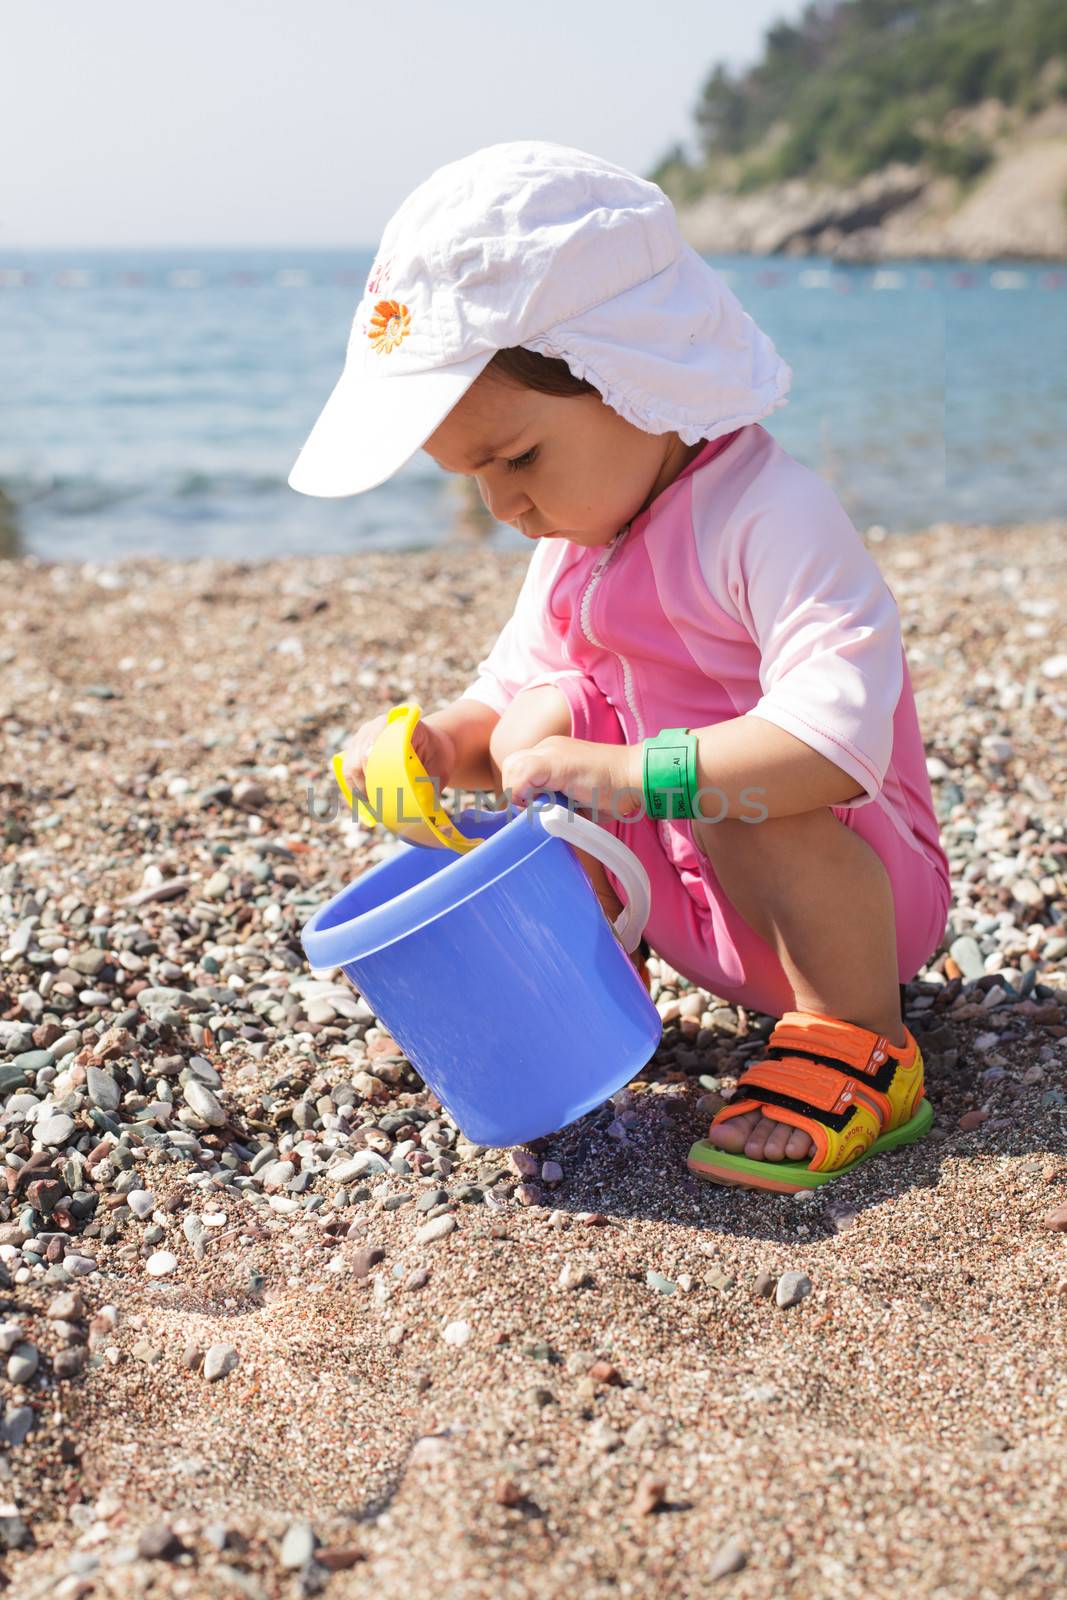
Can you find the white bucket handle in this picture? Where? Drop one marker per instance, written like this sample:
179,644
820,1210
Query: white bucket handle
576,830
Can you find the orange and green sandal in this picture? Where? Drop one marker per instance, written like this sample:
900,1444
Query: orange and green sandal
849,1089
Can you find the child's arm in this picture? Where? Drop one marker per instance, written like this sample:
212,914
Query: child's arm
468,724
799,578
754,770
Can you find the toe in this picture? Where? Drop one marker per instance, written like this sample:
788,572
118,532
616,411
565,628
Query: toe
777,1140
756,1143
732,1134
761,1139
799,1146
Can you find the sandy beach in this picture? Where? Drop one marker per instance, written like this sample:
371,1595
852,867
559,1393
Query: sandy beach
271,1328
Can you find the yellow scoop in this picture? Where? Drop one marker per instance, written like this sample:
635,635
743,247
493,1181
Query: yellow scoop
400,788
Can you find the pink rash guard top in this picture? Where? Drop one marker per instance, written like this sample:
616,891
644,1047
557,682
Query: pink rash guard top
742,590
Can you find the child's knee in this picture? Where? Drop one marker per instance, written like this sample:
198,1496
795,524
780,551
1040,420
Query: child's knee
533,715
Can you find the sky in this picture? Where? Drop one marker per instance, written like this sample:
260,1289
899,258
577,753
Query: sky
129,123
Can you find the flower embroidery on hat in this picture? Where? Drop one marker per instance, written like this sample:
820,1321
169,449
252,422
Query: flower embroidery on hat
390,324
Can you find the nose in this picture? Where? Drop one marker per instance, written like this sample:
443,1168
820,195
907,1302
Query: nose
503,501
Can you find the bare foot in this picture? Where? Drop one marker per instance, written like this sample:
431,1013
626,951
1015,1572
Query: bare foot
756,1136
762,1139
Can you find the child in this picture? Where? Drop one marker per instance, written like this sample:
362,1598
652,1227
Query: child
703,655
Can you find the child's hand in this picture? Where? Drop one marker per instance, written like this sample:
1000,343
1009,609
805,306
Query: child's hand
605,777
433,746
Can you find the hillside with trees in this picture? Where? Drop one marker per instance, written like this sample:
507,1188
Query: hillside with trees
866,109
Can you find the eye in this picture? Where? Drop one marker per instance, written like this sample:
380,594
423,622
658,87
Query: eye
516,463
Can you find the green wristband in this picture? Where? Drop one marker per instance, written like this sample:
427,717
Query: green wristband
669,774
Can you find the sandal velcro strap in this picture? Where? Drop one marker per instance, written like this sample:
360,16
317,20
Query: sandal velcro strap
851,1049
844,1086
816,1089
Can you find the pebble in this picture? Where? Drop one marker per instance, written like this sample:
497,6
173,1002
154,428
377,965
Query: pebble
649,1496
54,1130
277,1174
69,1363
436,1228
575,1276
31,1061
730,1557
193,1229
1056,1221
657,1281
219,1361
339,1557
159,1543
88,962
368,1163
723,1280
141,1202
791,1289
298,1545
68,1307
160,1263
200,1099
602,1436
968,957
457,1333
365,1259
22,1363
249,794
104,1092
524,1164
18,1420
78,1266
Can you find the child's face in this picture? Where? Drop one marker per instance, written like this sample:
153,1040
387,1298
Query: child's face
582,472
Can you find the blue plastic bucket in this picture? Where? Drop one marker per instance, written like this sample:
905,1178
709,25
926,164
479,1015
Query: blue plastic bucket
497,972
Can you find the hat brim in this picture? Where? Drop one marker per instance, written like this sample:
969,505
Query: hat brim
369,427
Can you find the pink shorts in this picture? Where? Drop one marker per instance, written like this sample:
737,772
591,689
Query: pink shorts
693,924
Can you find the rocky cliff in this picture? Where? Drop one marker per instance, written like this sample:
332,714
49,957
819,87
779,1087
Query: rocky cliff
1016,208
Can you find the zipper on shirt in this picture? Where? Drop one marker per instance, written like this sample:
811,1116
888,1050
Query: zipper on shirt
583,617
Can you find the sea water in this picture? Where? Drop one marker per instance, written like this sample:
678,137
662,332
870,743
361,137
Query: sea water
154,403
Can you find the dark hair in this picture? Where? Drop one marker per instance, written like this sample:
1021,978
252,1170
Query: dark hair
546,374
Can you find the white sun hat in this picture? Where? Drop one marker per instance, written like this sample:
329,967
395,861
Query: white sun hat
534,244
